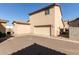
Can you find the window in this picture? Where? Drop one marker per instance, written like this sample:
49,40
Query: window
47,11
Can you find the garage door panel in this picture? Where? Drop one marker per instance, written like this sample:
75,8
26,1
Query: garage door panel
42,30
20,29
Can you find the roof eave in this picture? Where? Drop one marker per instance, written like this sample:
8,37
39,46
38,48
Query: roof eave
52,5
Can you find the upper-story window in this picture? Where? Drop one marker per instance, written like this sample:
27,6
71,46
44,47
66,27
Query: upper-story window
47,12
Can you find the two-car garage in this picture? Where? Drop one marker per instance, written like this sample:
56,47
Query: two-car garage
21,28
42,30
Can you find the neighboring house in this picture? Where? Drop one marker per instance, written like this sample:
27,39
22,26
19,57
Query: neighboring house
74,23
9,30
47,21
3,24
21,28
74,29
66,26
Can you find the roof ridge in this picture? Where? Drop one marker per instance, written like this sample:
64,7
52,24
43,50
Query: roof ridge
49,6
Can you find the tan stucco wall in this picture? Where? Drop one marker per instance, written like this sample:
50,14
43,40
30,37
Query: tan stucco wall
53,19
21,29
3,27
41,19
58,20
74,33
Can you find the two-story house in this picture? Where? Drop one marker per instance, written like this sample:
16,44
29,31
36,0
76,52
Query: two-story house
46,21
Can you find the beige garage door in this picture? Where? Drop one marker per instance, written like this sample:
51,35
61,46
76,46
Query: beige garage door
42,31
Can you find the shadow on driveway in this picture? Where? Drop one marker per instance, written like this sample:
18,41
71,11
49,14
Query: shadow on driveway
36,49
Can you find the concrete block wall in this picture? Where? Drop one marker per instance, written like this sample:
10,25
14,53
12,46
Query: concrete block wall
74,33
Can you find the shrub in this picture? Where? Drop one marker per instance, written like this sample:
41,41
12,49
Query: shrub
2,34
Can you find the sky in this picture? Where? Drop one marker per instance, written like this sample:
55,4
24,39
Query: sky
20,11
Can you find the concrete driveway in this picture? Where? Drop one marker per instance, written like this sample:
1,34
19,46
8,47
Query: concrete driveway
17,43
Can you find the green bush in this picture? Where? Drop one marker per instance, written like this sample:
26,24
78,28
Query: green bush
2,34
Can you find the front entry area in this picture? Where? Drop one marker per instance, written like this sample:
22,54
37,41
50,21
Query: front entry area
43,30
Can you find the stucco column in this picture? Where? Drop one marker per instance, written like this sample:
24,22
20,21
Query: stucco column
58,20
